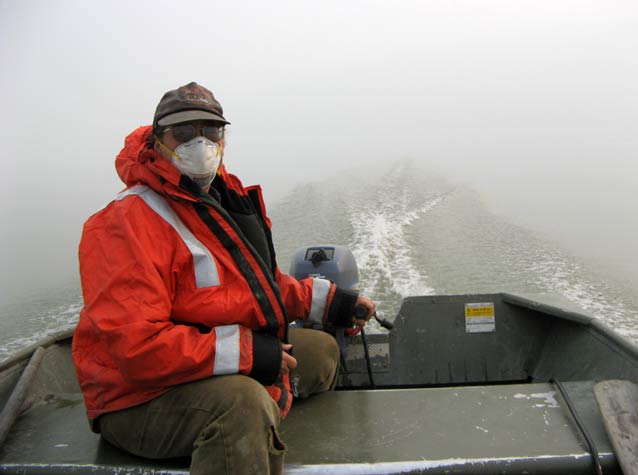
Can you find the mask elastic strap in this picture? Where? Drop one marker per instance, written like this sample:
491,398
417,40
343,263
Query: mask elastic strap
173,154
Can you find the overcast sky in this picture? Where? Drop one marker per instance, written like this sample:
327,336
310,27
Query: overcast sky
534,103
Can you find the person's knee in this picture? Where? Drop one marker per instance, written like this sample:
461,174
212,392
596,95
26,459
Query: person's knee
331,348
317,354
325,347
246,398
316,344
329,362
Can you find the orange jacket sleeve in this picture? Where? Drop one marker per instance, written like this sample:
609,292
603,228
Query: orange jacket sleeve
316,300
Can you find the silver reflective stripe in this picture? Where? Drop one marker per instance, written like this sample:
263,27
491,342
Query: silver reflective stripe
226,350
320,290
205,269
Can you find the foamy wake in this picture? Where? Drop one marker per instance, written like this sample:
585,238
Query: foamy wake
561,276
381,249
52,322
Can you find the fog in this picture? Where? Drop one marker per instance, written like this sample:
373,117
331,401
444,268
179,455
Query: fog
533,103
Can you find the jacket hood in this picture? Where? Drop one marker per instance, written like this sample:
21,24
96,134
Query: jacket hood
139,163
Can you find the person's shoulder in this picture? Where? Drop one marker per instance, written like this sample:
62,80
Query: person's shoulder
124,208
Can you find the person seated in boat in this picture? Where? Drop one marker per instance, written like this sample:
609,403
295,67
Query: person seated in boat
183,346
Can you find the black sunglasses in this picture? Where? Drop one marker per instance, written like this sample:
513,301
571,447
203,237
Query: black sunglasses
185,132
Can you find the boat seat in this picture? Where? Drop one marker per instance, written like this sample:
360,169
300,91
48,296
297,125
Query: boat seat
495,428
69,446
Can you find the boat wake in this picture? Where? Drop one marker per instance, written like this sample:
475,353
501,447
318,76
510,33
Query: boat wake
382,251
411,234
382,224
39,326
601,299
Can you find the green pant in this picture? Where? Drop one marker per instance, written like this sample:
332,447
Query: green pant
227,423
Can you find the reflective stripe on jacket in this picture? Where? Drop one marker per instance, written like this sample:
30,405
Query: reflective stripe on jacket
176,289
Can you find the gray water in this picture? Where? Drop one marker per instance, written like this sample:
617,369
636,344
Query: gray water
412,234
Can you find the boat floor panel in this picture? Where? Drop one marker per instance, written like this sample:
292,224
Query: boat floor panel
482,429
450,425
68,440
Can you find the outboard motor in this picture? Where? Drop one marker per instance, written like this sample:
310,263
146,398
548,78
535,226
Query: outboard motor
335,263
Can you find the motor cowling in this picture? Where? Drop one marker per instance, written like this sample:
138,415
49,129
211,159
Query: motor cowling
332,262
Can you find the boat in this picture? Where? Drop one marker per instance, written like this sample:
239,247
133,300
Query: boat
463,384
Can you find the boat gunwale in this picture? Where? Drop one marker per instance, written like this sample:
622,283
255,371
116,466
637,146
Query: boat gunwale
25,353
597,325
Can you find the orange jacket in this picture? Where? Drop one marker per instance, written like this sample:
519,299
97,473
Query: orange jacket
175,291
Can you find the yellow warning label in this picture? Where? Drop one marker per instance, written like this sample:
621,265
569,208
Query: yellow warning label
479,317
479,310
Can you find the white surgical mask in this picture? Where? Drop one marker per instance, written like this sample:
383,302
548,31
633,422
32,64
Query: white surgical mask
198,159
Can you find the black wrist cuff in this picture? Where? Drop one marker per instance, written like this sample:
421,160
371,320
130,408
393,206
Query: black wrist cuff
342,307
266,358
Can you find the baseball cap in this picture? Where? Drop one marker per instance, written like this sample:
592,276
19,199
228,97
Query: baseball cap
189,102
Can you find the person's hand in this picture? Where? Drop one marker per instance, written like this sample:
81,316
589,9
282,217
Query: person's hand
288,362
369,305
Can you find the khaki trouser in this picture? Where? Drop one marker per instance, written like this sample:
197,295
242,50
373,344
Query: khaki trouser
227,423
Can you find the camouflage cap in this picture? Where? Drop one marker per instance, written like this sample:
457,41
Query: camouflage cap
189,102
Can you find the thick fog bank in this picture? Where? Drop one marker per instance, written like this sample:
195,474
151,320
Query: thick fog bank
533,104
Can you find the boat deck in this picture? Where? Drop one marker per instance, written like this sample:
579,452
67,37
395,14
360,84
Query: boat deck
502,429
463,402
